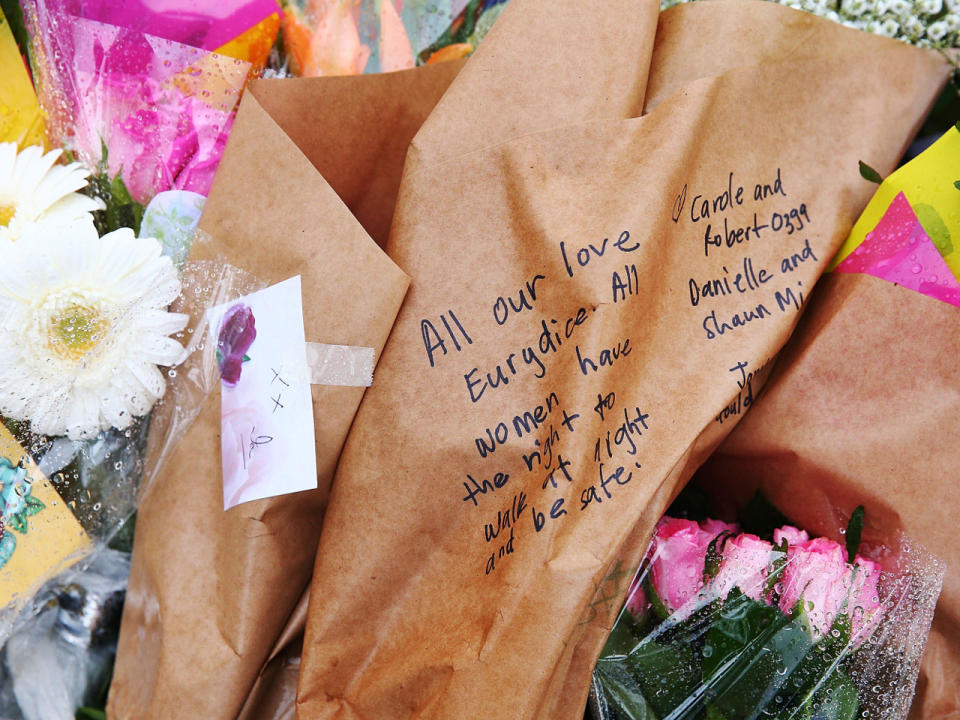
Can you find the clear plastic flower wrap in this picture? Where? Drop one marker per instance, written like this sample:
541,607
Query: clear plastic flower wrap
725,624
66,498
152,111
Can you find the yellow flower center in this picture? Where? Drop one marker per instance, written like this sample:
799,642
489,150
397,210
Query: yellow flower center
6,214
75,331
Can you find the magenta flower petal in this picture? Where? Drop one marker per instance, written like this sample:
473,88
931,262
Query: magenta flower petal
793,536
817,573
237,333
745,562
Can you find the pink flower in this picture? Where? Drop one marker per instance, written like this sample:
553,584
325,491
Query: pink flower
817,573
637,600
864,605
792,535
678,554
715,527
237,332
745,563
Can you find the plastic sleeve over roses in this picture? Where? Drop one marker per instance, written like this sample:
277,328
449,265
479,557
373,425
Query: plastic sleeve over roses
154,111
721,624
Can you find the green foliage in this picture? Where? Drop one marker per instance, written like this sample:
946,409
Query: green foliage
836,699
854,532
14,16
34,505
868,173
741,660
121,211
750,654
89,713
664,674
711,565
623,693
760,517
659,609
19,523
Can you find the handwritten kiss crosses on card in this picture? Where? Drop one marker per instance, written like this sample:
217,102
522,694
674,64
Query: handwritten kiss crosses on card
266,369
267,415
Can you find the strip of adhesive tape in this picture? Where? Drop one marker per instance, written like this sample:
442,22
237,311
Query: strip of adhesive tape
344,365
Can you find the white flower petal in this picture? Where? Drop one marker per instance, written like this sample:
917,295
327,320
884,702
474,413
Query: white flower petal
37,191
83,326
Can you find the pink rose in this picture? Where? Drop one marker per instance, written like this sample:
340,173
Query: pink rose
637,600
678,554
864,605
817,573
715,527
792,535
745,564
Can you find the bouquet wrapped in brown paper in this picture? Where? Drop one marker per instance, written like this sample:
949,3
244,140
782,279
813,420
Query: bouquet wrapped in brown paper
859,406
211,591
604,244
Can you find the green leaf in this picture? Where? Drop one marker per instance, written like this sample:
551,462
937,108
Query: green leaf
714,714
14,15
659,609
711,565
623,693
627,633
777,568
835,699
219,357
868,173
122,209
246,358
88,713
34,505
956,184
103,156
854,531
825,659
19,523
759,517
750,653
665,674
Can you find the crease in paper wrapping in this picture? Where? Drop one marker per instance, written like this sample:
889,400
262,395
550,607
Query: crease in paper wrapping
587,286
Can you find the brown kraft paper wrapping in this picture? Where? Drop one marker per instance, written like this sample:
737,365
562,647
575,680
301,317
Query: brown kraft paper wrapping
211,591
552,379
859,410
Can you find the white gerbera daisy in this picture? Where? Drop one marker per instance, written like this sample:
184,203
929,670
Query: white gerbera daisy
83,326
34,190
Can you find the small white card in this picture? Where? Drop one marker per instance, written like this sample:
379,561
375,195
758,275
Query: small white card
267,434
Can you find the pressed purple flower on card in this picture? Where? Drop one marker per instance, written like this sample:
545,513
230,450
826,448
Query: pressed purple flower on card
237,332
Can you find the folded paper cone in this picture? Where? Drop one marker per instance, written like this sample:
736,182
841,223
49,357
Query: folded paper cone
211,591
589,289
858,410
